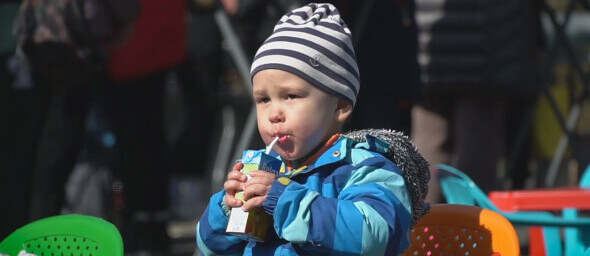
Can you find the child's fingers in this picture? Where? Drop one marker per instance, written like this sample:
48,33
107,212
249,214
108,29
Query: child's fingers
261,177
263,174
230,201
233,186
236,175
260,180
253,203
252,190
238,166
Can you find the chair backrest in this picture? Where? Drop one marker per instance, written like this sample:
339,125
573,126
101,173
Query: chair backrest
585,179
65,235
455,229
577,239
458,188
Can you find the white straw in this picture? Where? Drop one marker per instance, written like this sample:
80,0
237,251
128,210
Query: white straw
269,147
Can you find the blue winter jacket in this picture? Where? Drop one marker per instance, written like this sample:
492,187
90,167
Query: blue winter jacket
351,201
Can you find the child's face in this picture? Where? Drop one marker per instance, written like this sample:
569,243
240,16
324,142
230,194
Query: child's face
301,115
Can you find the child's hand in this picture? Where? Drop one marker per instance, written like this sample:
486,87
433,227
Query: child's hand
235,183
256,189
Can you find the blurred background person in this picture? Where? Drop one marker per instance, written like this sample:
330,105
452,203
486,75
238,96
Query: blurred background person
15,131
478,74
198,80
134,100
64,47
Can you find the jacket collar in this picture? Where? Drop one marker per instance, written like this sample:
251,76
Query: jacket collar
341,150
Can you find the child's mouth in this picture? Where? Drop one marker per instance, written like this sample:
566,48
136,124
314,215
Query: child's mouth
283,138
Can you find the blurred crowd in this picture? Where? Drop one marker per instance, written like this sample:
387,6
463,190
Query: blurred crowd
107,107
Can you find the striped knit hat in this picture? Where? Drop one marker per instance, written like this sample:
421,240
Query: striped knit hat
314,43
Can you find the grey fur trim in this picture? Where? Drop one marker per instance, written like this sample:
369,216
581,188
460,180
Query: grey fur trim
415,169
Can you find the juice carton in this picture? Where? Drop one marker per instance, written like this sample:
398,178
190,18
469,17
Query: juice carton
252,225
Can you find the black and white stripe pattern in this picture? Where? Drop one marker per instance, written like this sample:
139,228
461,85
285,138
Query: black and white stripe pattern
314,43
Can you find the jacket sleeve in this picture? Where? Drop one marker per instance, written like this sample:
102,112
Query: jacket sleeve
369,216
211,236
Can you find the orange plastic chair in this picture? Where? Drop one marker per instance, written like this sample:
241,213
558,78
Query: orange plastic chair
454,229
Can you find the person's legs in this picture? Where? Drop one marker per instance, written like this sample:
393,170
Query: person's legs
16,135
58,146
519,110
136,109
479,138
430,133
192,151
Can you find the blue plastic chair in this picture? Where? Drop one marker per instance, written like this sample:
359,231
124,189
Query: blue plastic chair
458,188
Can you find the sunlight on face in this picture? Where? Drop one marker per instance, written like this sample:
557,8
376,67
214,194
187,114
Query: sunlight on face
302,115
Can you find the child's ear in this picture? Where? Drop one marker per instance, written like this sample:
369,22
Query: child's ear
343,111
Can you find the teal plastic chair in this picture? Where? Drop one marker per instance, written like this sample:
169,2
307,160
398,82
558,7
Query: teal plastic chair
577,239
65,235
458,188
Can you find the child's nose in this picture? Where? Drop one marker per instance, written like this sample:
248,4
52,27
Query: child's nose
276,114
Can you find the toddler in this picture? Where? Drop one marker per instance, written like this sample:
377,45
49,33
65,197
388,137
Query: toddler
354,194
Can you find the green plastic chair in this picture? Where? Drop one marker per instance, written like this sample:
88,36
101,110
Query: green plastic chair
458,188
65,235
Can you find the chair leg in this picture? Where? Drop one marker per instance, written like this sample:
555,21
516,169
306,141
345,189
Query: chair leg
573,244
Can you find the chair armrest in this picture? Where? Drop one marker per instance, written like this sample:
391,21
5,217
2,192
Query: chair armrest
545,219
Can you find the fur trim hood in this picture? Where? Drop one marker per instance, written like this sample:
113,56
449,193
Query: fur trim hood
415,169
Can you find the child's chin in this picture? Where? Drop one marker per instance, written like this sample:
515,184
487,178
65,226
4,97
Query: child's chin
287,156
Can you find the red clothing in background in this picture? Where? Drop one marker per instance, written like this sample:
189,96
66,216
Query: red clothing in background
159,41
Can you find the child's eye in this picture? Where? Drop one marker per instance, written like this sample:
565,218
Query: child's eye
292,96
263,100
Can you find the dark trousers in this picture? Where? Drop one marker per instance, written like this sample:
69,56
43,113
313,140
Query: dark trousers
63,113
16,150
135,108
467,132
